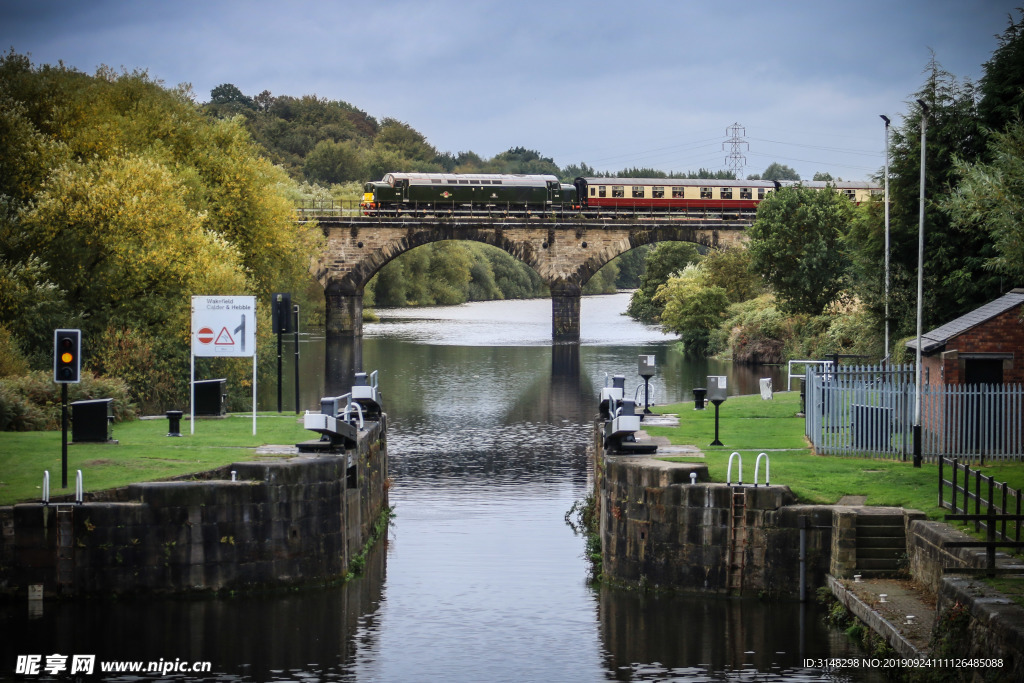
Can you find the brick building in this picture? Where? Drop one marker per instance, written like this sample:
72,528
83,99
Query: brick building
985,346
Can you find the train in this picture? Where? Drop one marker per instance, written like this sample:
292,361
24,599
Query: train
456,193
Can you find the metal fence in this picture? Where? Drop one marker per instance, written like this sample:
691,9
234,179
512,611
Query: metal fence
869,411
988,498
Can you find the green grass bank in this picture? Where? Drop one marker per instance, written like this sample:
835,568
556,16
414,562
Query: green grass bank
144,453
750,425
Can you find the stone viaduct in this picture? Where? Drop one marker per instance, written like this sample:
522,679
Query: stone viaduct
565,253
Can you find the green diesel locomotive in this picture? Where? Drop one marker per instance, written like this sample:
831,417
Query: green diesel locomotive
432,193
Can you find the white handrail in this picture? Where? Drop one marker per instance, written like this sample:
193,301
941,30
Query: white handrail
348,411
46,487
79,489
728,476
757,465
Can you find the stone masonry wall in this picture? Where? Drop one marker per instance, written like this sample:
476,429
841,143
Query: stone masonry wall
659,529
282,522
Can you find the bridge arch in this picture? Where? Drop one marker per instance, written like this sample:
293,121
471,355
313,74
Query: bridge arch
565,254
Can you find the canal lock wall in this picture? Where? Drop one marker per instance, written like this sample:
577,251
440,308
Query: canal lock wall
661,531
282,522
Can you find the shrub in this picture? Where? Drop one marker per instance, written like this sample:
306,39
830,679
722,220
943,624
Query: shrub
33,401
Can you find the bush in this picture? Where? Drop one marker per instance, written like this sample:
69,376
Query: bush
33,402
758,332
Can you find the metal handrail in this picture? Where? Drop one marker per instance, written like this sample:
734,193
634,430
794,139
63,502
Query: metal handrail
728,475
46,487
767,465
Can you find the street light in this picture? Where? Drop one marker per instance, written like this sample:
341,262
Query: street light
886,119
920,289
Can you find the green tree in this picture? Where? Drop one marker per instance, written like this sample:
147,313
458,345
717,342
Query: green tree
691,307
796,246
730,269
954,273
777,171
662,262
990,198
1002,85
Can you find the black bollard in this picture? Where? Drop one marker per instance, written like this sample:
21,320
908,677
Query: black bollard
174,418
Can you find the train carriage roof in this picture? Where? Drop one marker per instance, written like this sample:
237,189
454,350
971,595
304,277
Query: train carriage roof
472,178
729,182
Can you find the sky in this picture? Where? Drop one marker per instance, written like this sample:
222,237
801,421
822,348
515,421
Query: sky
612,84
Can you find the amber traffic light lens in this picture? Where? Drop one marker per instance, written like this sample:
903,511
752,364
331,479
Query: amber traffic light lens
66,357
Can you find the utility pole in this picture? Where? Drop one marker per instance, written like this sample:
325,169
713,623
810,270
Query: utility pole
736,139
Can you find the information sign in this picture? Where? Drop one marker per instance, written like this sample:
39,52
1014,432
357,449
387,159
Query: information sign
224,326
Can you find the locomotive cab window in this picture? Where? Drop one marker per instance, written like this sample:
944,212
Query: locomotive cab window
638,192
725,193
746,193
658,192
705,193
678,192
618,191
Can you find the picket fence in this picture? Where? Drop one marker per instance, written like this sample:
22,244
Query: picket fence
869,411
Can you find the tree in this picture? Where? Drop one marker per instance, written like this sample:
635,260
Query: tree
1002,85
823,176
954,273
777,171
796,246
692,307
990,197
662,261
730,269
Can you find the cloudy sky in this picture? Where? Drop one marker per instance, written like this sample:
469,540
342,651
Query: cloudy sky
612,84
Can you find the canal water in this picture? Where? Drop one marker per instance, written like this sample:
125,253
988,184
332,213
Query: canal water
480,578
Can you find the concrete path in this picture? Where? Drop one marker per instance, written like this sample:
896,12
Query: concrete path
903,599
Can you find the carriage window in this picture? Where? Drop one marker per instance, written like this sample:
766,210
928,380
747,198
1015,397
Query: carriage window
658,192
496,182
485,182
453,182
638,192
725,193
436,181
760,192
850,194
464,182
618,191
601,191
593,192
705,193
678,192
746,193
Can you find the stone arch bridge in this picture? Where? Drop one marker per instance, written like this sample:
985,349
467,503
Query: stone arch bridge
565,253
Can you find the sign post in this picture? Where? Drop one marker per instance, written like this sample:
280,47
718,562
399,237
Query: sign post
223,326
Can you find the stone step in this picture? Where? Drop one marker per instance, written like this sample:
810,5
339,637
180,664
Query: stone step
880,553
882,543
880,520
881,531
869,564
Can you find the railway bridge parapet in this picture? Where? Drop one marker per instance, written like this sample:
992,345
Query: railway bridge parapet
566,253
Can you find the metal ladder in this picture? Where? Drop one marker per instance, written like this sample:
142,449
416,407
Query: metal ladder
65,548
737,541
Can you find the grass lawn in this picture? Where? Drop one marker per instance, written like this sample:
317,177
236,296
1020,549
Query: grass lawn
145,453
750,425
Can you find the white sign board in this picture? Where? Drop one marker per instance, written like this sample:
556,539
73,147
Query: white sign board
224,326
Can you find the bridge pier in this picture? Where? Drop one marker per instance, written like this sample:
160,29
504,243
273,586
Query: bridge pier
344,315
565,312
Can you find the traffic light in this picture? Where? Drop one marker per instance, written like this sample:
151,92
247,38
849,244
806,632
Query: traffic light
281,312
67,356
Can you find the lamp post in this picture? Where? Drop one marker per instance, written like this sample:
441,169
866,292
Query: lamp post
886,119
920,289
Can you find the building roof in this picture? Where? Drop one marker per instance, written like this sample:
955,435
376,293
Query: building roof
937,338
